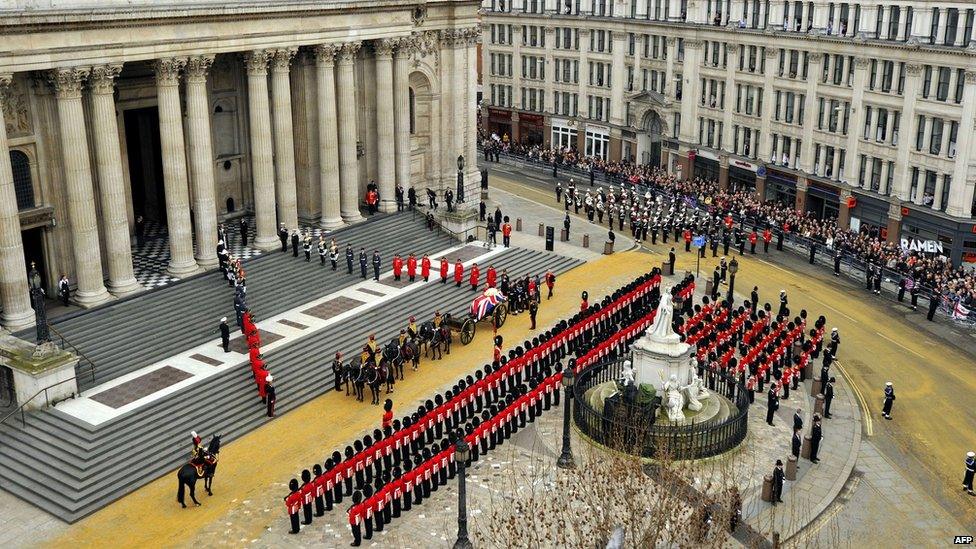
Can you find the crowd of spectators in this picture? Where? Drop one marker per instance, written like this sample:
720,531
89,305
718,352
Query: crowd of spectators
931,272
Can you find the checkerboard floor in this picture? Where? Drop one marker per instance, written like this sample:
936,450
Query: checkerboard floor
150,262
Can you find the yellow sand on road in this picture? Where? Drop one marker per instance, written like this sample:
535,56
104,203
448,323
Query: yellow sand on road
254,469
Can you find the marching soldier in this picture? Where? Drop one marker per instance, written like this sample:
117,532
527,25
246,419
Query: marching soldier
363,262
283,237
376,265
889,400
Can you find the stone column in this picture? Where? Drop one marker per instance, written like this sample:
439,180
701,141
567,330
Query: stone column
618,80
284,144
458,97
473,183
844,212
78,180
805,151
856,127
348,134
181,262
801,194
200,145
690,92
764,146
17,312
111,183
328,142
723,172
262,166
961,192
384,124
401,101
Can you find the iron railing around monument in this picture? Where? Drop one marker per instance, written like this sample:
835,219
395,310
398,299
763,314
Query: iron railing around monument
630,427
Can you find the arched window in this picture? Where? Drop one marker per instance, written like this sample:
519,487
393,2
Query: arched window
24,188
413,112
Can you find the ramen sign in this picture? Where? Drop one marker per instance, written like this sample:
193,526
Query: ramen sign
926,246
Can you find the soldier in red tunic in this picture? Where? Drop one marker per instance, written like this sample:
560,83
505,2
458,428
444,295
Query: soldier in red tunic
425,268
458,272
475,276
293,504
491,276
355,518
767,238
308,496
753,238
550,282
444,270
261,378
397,266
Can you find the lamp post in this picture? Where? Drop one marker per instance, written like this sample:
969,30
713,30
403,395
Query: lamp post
566,460
461,454
733,268
460,178
37,300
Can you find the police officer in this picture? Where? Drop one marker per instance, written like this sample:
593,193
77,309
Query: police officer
816,435
778,476
283,237
363,262
376,265
828,393
889,400
772,403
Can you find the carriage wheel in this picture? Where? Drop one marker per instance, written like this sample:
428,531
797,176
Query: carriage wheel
467,331
501,313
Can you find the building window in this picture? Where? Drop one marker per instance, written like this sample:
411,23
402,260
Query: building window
23,186
597,144
563,137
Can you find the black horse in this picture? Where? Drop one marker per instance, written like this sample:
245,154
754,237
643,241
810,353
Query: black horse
189,472
393,356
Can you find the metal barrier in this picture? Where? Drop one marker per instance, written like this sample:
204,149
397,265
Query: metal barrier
631,428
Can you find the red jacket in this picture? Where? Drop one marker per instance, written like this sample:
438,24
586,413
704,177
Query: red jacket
412,266
425,267
687,234
584,305
767,235
752,237
293,504
397,265
443,268
475,275
506,229
458,272
490,276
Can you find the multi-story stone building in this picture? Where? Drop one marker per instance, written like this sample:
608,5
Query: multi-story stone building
864,112
191,113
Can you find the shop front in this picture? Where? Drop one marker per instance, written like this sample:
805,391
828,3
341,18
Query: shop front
563,136
870,215
742,176
935,233
780,187
531,128
823,201
500,123
706,165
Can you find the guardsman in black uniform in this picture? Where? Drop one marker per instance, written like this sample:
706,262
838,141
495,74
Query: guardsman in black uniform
933,304
295,241
889,400
224,334
376,265
322,251
783,302
772,403
828,393
349,257
307,248
337,372
283,237
816,435
837,257
967,479
779,475
671,258
363,262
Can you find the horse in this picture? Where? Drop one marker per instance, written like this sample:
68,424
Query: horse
371,373
189,473
426,335
410,351
393,355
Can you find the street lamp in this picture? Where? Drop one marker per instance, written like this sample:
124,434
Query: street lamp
733,268
566,460
37,300
460,178
462,452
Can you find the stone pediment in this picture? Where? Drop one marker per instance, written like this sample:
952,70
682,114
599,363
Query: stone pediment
651,98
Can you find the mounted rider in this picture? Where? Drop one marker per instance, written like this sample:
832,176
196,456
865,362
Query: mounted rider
199,457
411,329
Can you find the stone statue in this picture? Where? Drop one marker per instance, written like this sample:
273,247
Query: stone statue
661,330
674,401
627,374
695,392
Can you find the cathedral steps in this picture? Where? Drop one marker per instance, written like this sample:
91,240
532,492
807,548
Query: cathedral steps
72,469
